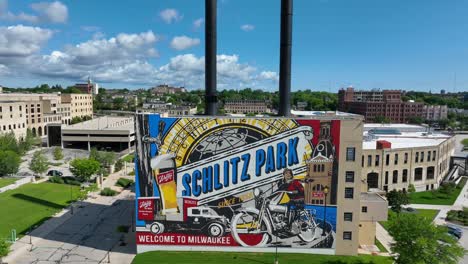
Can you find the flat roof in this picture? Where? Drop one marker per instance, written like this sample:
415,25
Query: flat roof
371,197
405,140
378,125
104,123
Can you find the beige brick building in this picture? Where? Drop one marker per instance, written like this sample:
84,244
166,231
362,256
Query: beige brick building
43,109
394,161
80,104
13,118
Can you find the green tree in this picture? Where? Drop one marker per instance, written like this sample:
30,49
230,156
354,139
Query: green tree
83,169
76,120
382,119
39,163
419,241
118,103
119,165
411,188
4,249
396,199
58,154
415,120
9,162
8,142
28,142
103,157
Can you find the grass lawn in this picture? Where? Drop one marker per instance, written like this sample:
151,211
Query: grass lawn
465,142
428,197
428,213
6,181
380,246
31,204
173,257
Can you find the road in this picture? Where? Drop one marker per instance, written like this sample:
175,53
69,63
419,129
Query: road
87,236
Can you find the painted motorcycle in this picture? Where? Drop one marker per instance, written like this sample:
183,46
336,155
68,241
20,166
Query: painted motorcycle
257,226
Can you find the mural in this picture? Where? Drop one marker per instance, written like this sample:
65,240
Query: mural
236,182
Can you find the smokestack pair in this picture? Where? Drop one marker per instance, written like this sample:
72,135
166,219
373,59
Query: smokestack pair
211,98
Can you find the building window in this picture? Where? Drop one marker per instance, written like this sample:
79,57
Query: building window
350,176
429,156
396,159
369,160
348,217
349,192
364,209
433,155
362,161
350,154
430,173
395,177
422,156
418,172
11,108
387,159
406,157
347,235
377,160
405,175
386,177
416,158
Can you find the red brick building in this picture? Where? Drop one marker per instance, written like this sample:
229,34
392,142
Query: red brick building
375,103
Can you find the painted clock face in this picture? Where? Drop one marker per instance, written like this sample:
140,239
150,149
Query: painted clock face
194,139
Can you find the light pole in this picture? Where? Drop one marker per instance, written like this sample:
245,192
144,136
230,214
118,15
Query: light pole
325,192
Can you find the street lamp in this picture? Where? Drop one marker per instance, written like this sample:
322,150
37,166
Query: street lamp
325,192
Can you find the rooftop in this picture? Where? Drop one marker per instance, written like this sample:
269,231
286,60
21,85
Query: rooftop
104,123
405,139
321,113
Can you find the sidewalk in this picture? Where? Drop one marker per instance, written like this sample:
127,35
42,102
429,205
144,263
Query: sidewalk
42,241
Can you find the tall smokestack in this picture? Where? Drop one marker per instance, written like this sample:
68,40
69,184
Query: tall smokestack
211,97
285,57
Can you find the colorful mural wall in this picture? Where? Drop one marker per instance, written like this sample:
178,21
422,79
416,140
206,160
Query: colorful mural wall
236,182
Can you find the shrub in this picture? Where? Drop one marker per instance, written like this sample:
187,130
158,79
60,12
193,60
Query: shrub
108,192
56,179
72,181
411,188
119,165
122,182
58,154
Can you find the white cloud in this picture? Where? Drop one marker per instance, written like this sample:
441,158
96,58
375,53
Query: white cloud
170,15
22,40
269,75
247,27
54,12
47,12
184,42
90,28
198,23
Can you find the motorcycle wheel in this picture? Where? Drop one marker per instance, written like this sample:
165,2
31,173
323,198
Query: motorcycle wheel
156,228
245,231
307,226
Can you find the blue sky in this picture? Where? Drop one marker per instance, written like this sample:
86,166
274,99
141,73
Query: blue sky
410,45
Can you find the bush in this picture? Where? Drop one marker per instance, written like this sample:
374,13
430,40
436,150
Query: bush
122,182
72,181
411,188
447,188
108,192
4,248
58,154
56,179
458,216
119,165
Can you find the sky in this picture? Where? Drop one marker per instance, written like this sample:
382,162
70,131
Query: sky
388,44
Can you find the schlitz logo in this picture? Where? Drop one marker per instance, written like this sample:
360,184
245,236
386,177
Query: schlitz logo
145,205
166,177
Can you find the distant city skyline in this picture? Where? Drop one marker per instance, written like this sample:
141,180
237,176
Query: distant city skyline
408,45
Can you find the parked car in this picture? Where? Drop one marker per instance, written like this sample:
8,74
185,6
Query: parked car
454,231
55,173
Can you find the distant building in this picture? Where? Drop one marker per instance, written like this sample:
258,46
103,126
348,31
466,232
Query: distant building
246,106
375,103
170,109
160,90
435,112
301,106
89,87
